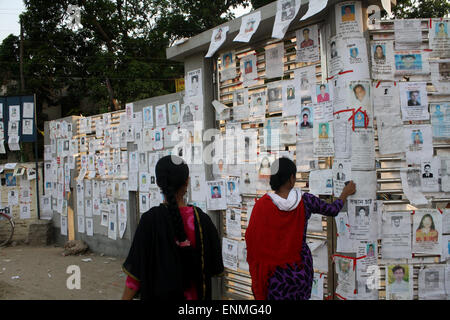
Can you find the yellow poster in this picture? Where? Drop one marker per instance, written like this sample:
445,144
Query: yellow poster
179,84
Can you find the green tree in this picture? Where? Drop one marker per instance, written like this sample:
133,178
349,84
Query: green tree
117,56
260,3
410,9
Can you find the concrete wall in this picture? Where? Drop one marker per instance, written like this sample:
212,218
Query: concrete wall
100,242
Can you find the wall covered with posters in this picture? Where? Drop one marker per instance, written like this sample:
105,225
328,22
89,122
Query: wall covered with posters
18,192
99,170
346,98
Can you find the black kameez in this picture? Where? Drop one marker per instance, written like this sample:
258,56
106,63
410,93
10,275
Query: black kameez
161,266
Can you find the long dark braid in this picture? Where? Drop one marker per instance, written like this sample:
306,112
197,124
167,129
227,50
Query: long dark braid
172,174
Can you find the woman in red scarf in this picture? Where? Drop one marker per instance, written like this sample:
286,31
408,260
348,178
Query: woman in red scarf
279,259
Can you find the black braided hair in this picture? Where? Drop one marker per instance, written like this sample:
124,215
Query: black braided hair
281,171
172,174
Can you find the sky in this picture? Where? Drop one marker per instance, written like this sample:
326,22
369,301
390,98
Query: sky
9,17
11,9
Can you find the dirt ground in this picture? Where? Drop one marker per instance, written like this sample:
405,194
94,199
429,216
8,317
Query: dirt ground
42,275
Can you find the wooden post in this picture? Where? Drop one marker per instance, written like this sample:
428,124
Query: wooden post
70,220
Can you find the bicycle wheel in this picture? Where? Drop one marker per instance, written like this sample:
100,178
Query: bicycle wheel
6,229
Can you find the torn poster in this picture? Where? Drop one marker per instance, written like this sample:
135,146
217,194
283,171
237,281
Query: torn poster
408,34
228,66
418,143
439,39
411,184
274,55
216,195
286,12
346,282
430,174
323,139
440,120
229,253
249,69
427,231
396,235
363,149
410,62
218,37
321,182
314,7
249,25
399,282
432,282
233,223
390,134
349,19
344,242
308,44
342,172
382,60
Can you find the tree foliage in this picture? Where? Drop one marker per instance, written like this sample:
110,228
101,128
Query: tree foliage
260,3
117,56
410,9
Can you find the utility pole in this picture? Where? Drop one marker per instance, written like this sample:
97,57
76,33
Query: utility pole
22,80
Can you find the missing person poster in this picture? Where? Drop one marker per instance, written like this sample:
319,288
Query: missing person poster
216,195
308,44
427,231
349,19
396,235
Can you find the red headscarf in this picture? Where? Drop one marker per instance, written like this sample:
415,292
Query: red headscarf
274,238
